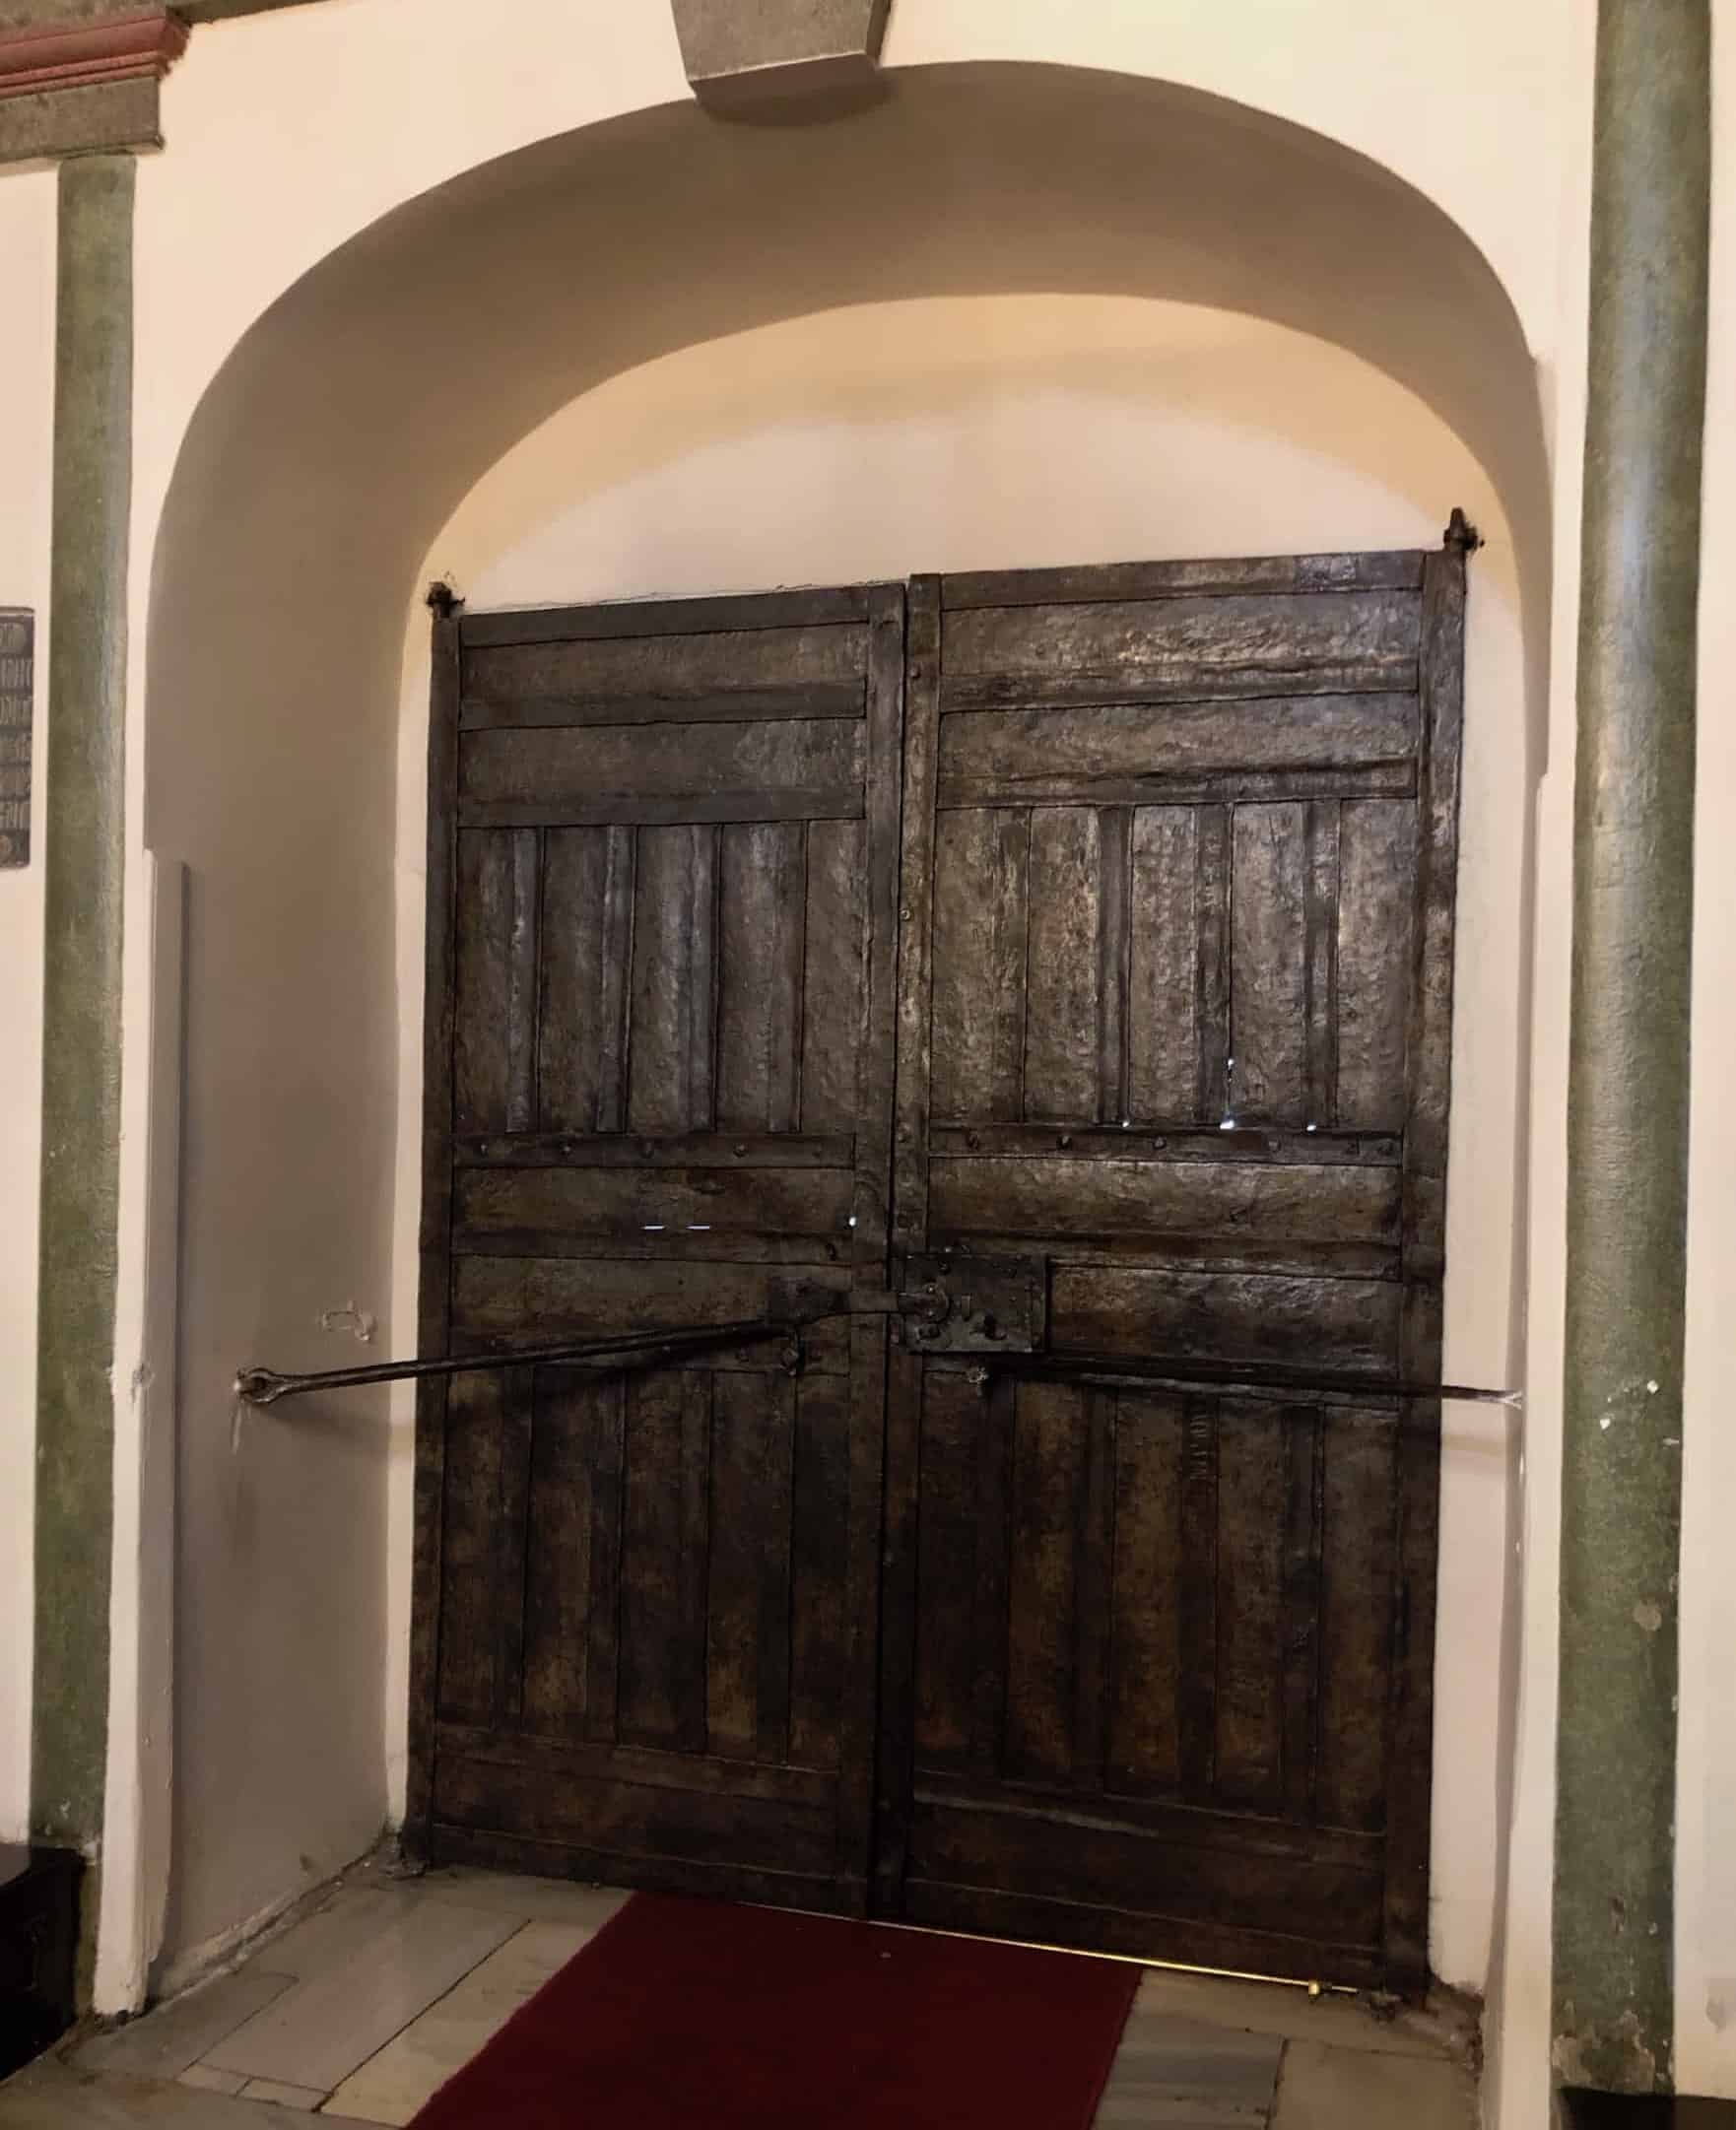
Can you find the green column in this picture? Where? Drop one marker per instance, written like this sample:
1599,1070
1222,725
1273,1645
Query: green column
82,1029
1628,1067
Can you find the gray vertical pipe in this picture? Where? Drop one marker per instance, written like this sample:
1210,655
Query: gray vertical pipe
1628,1067
82,990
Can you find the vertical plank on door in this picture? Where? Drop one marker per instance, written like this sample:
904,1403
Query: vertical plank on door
576,870
1268,964
1321,1003
874,935
1360,1516
603,1657
523,957
1061,1035
1048,1463
820,1527
518,1422
614,1063
1212,886
469,1548
761,913
771,1629
1162,1007
570,1407
1303,1505
980,865
674,955
495,1047
915,963
1429,1089
1251,1472
831,992
663,1546
1376,919
946,1569
747,1659
1114,953
433,1300
1198,1685
996,1416
1146,1651
1094,1580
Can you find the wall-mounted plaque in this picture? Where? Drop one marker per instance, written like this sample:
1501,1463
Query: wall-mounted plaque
18,673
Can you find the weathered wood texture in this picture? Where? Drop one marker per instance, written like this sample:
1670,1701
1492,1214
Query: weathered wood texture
646,1600
1151,984
1182,944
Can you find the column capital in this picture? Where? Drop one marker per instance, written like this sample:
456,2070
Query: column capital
86,80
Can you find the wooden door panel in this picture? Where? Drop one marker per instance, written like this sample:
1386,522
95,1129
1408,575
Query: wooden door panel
650,1594
1160,1034
1376,865
494,1062
1180,648
981,917
667,1495
1203,1211
502,1302
1064,1002
739,1215
1321,1324
1031,755
635,676
1168,986
571,1527
1269,1002
778,770
587,910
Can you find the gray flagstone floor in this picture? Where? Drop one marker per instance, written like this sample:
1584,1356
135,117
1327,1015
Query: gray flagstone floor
359,2010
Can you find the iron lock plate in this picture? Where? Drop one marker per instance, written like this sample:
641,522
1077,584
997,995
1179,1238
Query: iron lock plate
951,1305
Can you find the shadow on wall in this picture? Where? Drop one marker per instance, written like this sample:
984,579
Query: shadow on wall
328,453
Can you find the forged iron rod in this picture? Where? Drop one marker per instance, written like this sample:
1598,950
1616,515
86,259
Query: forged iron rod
265,1386
1245,1376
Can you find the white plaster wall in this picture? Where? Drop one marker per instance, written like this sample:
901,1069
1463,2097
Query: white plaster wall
1023,431
353,107
27,392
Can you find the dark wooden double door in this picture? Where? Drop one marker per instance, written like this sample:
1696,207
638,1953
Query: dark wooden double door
1096,922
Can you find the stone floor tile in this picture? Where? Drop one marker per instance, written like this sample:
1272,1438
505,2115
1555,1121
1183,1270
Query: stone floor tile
1184,2072
390,2087
1276,2008
530,1900
207,2080
50,2095
1323,2087
302,2098
339,2015
164,2042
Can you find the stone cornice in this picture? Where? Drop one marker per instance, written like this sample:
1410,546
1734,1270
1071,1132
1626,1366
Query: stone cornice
87,82
140,44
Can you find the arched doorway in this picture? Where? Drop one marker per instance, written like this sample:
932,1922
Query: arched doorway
335,443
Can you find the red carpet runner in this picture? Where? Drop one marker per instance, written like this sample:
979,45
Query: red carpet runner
692,2015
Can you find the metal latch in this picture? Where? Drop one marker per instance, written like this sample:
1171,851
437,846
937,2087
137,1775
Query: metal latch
965,1304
